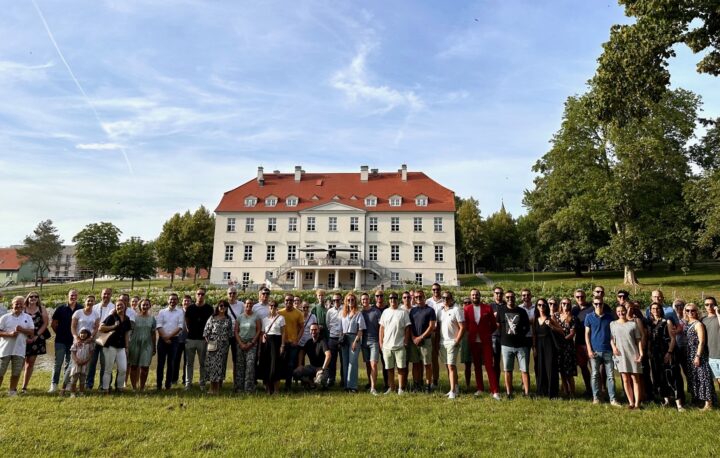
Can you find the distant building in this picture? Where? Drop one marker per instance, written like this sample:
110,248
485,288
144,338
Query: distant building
10,265
66,268
335,230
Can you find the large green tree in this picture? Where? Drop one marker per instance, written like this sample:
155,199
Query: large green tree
170,246
135,260
199,234
504,246
470,239
41,247
95,245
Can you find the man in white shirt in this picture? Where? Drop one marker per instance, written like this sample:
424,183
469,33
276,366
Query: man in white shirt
451,321
170,322
529,307
262,308
436,302
102,310
394,338
237,308
333,320
15,328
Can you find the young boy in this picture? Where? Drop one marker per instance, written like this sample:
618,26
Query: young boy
82,350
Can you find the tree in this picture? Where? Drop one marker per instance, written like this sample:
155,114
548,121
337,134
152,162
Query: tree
41,248
503,240
469,228
134,259
632,74
170,246
199,234
95,245
703,198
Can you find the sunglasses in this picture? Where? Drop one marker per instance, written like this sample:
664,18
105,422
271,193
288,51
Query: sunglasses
222,306
406,297
509,297
232,293
36,297
691,310
579,297
393,298
436,289
597,304
199,294
378,295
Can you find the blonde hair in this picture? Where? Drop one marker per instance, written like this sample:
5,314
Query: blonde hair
347,308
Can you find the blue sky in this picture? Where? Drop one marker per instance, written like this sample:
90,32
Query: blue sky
149,107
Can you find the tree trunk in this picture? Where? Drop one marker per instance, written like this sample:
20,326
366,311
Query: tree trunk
630,277
132,283
578,268
184,272
93,282
172,277
195,275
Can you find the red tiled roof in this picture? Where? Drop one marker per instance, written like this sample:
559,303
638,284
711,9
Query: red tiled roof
9,259
344,185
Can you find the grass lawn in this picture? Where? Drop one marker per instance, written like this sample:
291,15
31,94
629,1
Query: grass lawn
177,423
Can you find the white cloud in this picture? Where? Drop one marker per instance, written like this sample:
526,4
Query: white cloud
10,70
354,82
98,146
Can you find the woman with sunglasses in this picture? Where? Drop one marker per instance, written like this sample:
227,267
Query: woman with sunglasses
546,332
272,349
627,353
217,334
36,343
567,355
700,380
662,361
142,345
353,326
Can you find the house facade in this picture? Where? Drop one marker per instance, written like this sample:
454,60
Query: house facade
335,231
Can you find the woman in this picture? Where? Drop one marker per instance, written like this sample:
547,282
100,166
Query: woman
567,354
273,349
86,318
248,328
554,308
627,353
115,349
663,370
546,348
353,325
634,313
36,344
218,332
700,380
142,345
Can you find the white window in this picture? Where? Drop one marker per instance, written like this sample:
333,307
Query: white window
395,201
271,201
292,252
309,255
439,277
290,276
418,250
421,201
372,252
231,224
419,279
332,223
311,223
354,224
292,224
250,201
438,224
372,224
247,253
417,224
439,253
229,251
395,278
309,275
249,224
394,252
354,255
245,279
331,246
226,276
370,201
270,253
272,224
395,224
291,201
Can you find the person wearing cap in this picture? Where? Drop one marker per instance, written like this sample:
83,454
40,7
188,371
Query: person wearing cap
370,340
81,351
394,336
334,328
599,349
423,319
15,329
315,373
320,311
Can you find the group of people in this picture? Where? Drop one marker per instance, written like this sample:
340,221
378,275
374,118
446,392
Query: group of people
307,343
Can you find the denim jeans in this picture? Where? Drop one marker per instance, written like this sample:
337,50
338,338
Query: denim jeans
194,347
92,367
602,358
350,361
166,352
334,347
291,358
62,362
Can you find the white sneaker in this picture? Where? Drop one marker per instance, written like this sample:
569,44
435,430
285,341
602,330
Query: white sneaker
12,393
388,391
400,392
478,393
451,395
53,388
374,392
447,395
496,396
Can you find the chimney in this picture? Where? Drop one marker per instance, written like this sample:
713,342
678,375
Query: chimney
260,177
373,172
403,172
363,173
298,173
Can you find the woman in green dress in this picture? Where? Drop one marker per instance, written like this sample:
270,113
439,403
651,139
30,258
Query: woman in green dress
142,345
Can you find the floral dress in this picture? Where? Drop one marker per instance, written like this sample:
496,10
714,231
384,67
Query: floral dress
567,356
38,347
220,331
700,379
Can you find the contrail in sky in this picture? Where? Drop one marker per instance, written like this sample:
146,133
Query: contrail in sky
77,83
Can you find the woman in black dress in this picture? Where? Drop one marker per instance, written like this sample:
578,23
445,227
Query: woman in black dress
663,369
36,344
546,349
567,354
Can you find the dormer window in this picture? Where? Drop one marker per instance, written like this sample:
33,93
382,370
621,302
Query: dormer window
371,201
395,201
250,201
291,201
271,201
421,201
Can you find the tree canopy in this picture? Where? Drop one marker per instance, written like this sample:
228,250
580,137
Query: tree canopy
135,260
41,247
95,245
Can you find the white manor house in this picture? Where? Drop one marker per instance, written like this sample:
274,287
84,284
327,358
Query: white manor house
335,231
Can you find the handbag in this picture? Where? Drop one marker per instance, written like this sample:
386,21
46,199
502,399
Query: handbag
103,337
212,345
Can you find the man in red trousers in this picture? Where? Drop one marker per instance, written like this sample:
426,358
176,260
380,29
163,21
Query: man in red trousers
480,323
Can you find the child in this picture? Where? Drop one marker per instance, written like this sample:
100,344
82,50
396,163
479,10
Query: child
82,350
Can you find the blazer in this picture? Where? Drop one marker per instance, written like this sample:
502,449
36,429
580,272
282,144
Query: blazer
487,324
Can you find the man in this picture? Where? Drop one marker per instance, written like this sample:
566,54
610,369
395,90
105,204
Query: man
262,308
599,350
407,301
180,360
527,304
451,324
102,310
294,323
380,304
237,308
422,320
170,323
196,316
315,373
495,305
669,312
623,298
333,319
319,310
15,329
581,310
513,323
371,340
712,332
480,323
62,324
435,301
394,337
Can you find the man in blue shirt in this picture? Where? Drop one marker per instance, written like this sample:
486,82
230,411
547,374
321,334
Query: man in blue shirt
669,312
597,339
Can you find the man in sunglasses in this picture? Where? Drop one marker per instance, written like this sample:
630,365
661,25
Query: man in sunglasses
422,320
712,331
581,310
599,350
334,325
262,308
436,302
668,310
514,324
495,304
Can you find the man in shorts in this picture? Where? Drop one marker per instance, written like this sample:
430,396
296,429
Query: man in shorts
422,319
514,324
394,337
